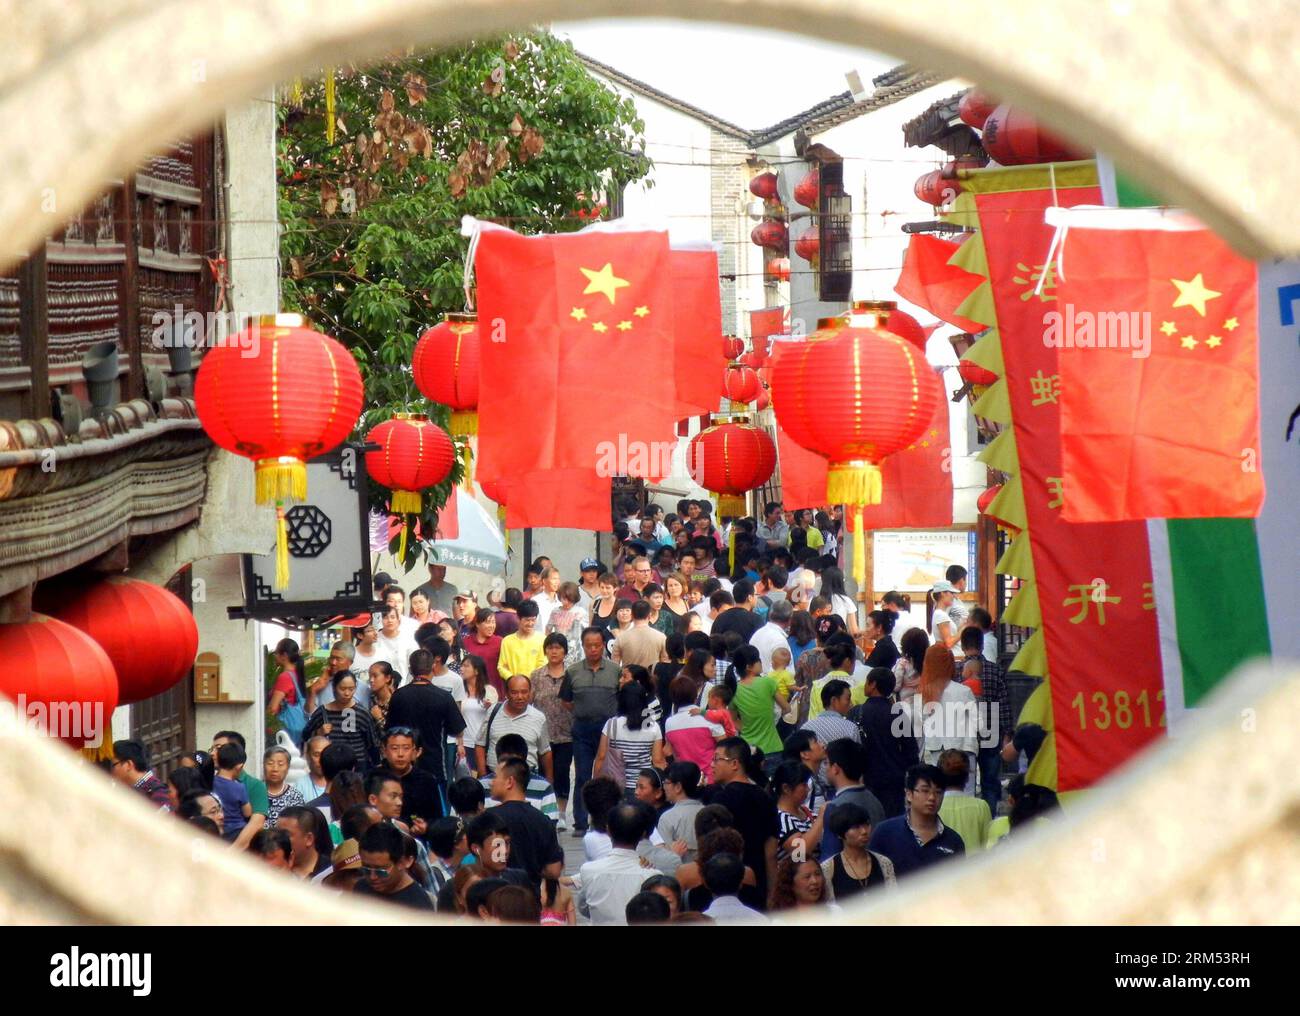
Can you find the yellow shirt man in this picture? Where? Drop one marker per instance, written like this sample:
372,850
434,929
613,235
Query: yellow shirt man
521,654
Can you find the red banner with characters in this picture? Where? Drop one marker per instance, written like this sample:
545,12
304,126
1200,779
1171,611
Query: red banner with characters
1093,580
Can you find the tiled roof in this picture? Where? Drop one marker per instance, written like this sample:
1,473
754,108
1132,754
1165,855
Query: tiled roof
896,83
635,85
936,126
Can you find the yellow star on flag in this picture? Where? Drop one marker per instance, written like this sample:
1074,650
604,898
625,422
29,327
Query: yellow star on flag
1214,341
577,314
600,326
1188,342
625,326
1192,293
1230,324
1169,328
604,281
641,311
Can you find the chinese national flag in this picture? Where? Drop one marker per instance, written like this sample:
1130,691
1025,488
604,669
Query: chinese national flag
929,281
917,482
1159,371
765,323
578,355
697,310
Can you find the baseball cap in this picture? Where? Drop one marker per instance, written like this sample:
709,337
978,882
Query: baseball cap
943,586
589,564
382,579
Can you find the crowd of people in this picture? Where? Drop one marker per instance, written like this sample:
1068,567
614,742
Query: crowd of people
711,715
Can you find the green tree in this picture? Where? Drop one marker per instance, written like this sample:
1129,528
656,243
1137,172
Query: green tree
511,129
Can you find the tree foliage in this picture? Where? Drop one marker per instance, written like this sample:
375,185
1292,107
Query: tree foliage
511,129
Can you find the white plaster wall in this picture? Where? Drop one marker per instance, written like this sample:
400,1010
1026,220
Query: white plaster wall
675,194
879,174
255,289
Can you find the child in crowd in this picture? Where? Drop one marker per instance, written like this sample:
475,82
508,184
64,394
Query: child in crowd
718,709
781,672
235,806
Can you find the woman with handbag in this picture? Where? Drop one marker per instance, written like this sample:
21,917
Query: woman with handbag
629,741
290,691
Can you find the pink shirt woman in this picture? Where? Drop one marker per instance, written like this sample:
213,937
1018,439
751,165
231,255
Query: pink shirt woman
689,734
485,642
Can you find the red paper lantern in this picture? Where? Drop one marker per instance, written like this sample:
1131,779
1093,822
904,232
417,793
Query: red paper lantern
779,269
732,347
935,189
62,672
279,393
891,319
1014,138
808,191
986,499
494,490
975,107
764,186
764,398
974,373
755,358
770,234
854,394
414,455
730,458
808,246
148,633
740,383
446,367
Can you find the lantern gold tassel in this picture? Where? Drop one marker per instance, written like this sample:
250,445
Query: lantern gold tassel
731,549
859,550
505,533
282,479
853,483
281,548
468,452
401,541
464,422
329,106
407,502
731,505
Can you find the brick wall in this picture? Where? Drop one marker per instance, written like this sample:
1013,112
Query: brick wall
728,180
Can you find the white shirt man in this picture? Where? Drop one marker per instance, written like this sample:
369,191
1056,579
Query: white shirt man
547,604
605,885
729,910
774,634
